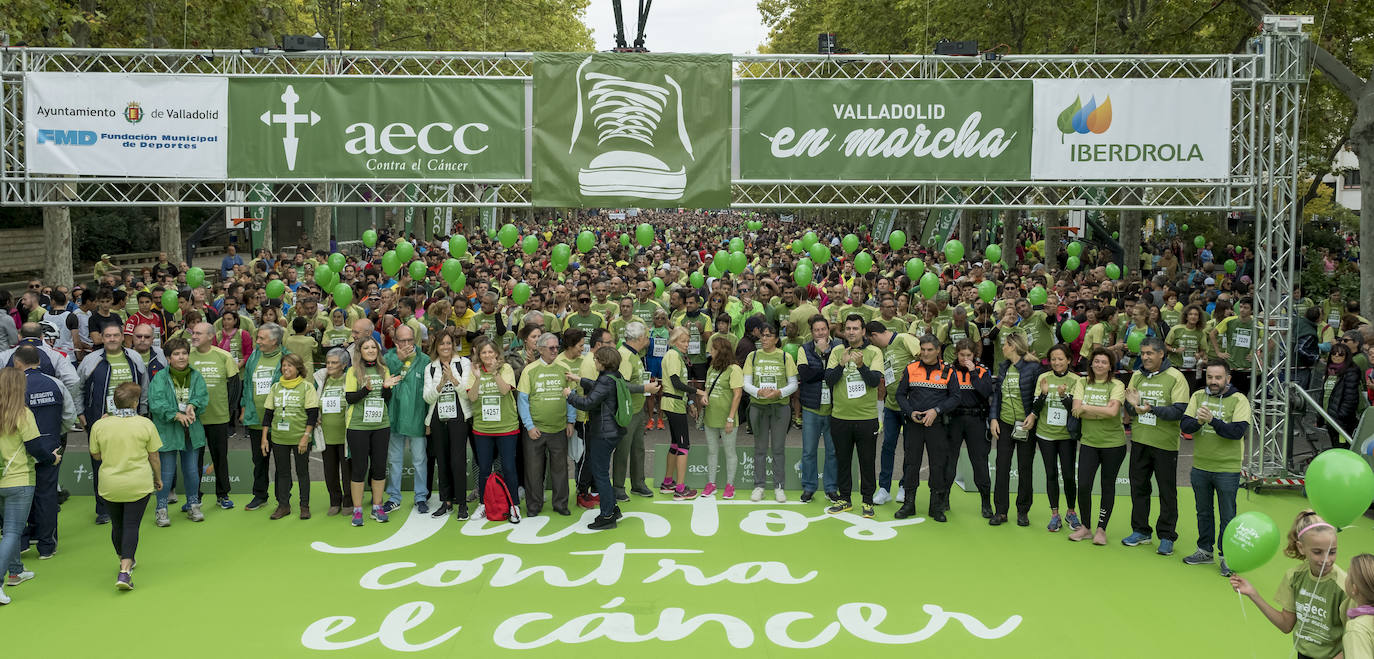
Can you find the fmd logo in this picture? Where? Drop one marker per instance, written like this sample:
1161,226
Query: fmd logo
66,137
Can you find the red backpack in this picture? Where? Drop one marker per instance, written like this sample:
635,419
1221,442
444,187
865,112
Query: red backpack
496,500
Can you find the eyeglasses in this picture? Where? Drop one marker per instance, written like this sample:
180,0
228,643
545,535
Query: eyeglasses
584,299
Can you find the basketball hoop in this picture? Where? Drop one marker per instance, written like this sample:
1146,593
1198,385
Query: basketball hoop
1073,230
238,221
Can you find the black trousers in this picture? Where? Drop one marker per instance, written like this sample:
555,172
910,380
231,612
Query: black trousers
1025,462
284,455
585,481
849,436
336,476
972,431
932,438
598,460
448,444
1058,456
217,443
261,463
1152,462
125,516
1089,460
100,504
368,451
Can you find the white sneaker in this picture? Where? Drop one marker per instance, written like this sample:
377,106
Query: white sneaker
780,495
480,512
881,497
901,495
757,495
4,599
162,520
194,513
16,579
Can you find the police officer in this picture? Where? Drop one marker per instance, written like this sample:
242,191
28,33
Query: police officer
926,391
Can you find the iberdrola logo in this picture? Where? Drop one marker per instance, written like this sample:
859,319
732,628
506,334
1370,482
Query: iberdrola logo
1084,119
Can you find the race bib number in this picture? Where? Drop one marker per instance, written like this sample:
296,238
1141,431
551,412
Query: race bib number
825,395
331,404
1334,319
768,383
283,424
660,347
1243,339
262,385
109,402
1189,360
889,375
448,409
491,408
1147,419
854,387
645,376
372,410
1057,416
694,347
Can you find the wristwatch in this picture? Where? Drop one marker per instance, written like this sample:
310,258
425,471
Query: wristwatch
730,419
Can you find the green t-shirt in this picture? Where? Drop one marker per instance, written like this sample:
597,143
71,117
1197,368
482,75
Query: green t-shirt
632,370
303,345
951,335
370,413
903,350
1039,333
644,312
853,399
1102,433
12,452
1052,422
333,416
1320,605
335,337
1096,336
123,444
895,324
1159,389
1211,452
720,396
1190,341
674,363
698,352
587,323
1013,411
617,328
216,366
288,405
495,412
261,380
770,370
544,384
800,317
826,397
1241,338
120,372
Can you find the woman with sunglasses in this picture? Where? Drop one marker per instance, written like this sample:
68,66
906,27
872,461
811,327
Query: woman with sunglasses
1341,392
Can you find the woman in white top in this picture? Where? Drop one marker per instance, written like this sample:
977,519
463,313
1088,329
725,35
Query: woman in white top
446,421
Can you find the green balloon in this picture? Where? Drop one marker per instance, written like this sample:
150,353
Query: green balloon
1074,249
644,233
850,243
458,246
863,262
820,253
370,238
930,285
714,269
1230,266
275,289
458,282
797,246
1184,227
1133,341
736,245
324,275
987,290
914,268
1037,295
1251,539
561,253
405,251
993,252
336,262
809,239
521,294
391,263
586,241
1116,235
802,275
791,349
530,244
507,235
343,295
1199,242
1340,486
625,240
171,304
696,280
450,269
954,251
491,233
737,261
1070,330
418,270
1072,263
658,286
896,239
195,277
1113,271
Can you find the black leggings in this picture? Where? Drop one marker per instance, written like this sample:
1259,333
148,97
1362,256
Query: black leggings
677,433
125,516
367,453
1057,454
449,438
1025,461
336,473
1089,459
284,456
970,430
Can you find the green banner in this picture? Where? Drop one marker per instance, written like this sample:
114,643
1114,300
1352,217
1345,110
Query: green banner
940,224
363,128
257,229
631,129
883,219
885,129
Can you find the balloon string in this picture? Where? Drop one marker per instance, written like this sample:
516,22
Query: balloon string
1298,614
1246,617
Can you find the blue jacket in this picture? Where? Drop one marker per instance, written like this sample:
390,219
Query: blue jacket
95,383
54,411
1029,373
811,375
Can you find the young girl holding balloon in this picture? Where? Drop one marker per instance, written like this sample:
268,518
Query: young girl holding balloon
1312,596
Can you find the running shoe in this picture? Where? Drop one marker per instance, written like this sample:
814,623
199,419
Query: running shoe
710,490
729,492
124,581
1055,524
357,517
686,494
838,507
667,487
379,514
161,518
868,511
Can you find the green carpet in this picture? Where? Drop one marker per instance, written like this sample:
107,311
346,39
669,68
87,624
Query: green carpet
241,585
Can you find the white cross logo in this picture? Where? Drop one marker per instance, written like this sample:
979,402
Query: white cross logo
290,118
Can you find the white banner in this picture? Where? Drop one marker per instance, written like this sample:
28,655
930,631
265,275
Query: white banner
1131,129
116,124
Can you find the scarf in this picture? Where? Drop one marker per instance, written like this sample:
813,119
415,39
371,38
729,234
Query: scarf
181,378
1364,610
292,383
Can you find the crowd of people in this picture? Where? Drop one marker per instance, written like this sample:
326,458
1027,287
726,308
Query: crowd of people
545,360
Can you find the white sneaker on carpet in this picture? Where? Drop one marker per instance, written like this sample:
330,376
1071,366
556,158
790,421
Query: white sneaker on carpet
757,495
901,495
480,512
4,599
780,495
881,497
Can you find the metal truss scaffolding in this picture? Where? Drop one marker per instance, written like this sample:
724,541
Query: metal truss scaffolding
1266,90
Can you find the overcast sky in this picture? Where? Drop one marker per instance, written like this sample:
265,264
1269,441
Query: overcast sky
683,26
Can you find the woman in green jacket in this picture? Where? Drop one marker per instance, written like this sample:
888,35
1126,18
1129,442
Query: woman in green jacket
176,396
